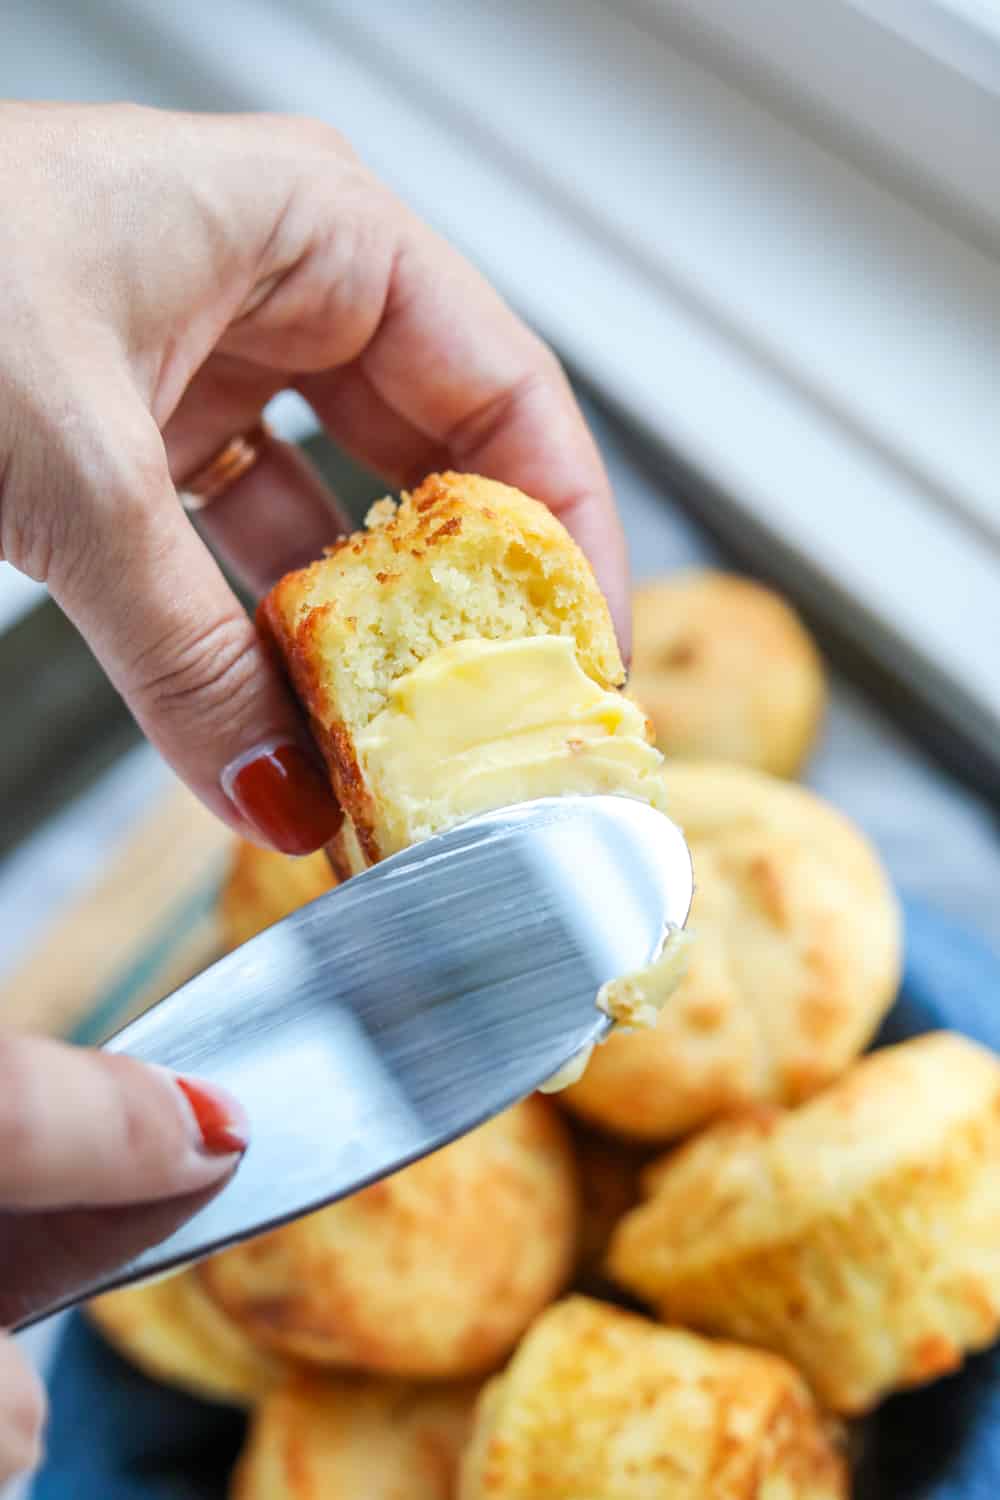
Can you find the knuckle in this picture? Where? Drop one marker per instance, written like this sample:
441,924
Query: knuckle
317,136
477,429
36,523
31,537
102,490
203,674
129,475
126,115
545,366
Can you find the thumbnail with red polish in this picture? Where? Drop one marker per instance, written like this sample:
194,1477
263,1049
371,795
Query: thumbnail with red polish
282,793
222,1123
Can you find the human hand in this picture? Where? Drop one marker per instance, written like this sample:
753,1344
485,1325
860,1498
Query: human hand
84,1136
163,276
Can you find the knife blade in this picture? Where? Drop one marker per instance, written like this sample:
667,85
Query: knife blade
409,1005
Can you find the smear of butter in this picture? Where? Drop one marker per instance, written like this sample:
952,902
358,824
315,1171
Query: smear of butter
481,724
634,1000
570,1072
637,999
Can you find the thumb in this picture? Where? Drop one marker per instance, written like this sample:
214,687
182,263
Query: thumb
92,1128
106,529
22,1412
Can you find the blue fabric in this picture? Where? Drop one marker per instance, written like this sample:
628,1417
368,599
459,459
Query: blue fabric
115,1436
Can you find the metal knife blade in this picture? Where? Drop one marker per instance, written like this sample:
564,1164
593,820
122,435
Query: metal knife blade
410,1004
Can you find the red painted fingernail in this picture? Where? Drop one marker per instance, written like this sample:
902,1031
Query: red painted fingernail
281,791
222,1122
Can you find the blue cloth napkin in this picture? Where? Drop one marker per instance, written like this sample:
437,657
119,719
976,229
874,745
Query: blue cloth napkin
114,1435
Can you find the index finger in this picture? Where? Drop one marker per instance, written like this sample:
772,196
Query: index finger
436,372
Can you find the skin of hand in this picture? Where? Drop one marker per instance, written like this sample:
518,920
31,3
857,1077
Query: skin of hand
164,275
161,277
84,1136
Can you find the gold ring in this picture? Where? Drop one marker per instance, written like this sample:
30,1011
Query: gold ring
232,461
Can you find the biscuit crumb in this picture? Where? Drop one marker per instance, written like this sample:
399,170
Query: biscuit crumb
380,513
450,527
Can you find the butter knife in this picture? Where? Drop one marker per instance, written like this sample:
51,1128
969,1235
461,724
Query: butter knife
394,1014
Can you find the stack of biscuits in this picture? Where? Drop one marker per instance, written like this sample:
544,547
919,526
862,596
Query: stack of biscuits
682,1277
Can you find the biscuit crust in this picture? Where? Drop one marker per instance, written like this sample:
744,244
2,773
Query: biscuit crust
432,1273
858,1235
173,1332
263,886
598,1404
794,961
727,671
329,1438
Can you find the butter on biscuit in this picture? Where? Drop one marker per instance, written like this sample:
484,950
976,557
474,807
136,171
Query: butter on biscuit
455,657
424,635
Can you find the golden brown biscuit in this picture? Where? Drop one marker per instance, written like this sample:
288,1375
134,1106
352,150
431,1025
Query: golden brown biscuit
601,1405
455,656
324,1438
794,962
859,1235
263,886
726,671
173,1332
432,1273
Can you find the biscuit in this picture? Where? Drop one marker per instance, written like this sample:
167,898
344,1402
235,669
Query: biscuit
329,1438
456,656
599,1404
432,1273
173,1332
726,670
263,886
794,961
859,1235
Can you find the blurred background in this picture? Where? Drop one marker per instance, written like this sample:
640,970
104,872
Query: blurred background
766,242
